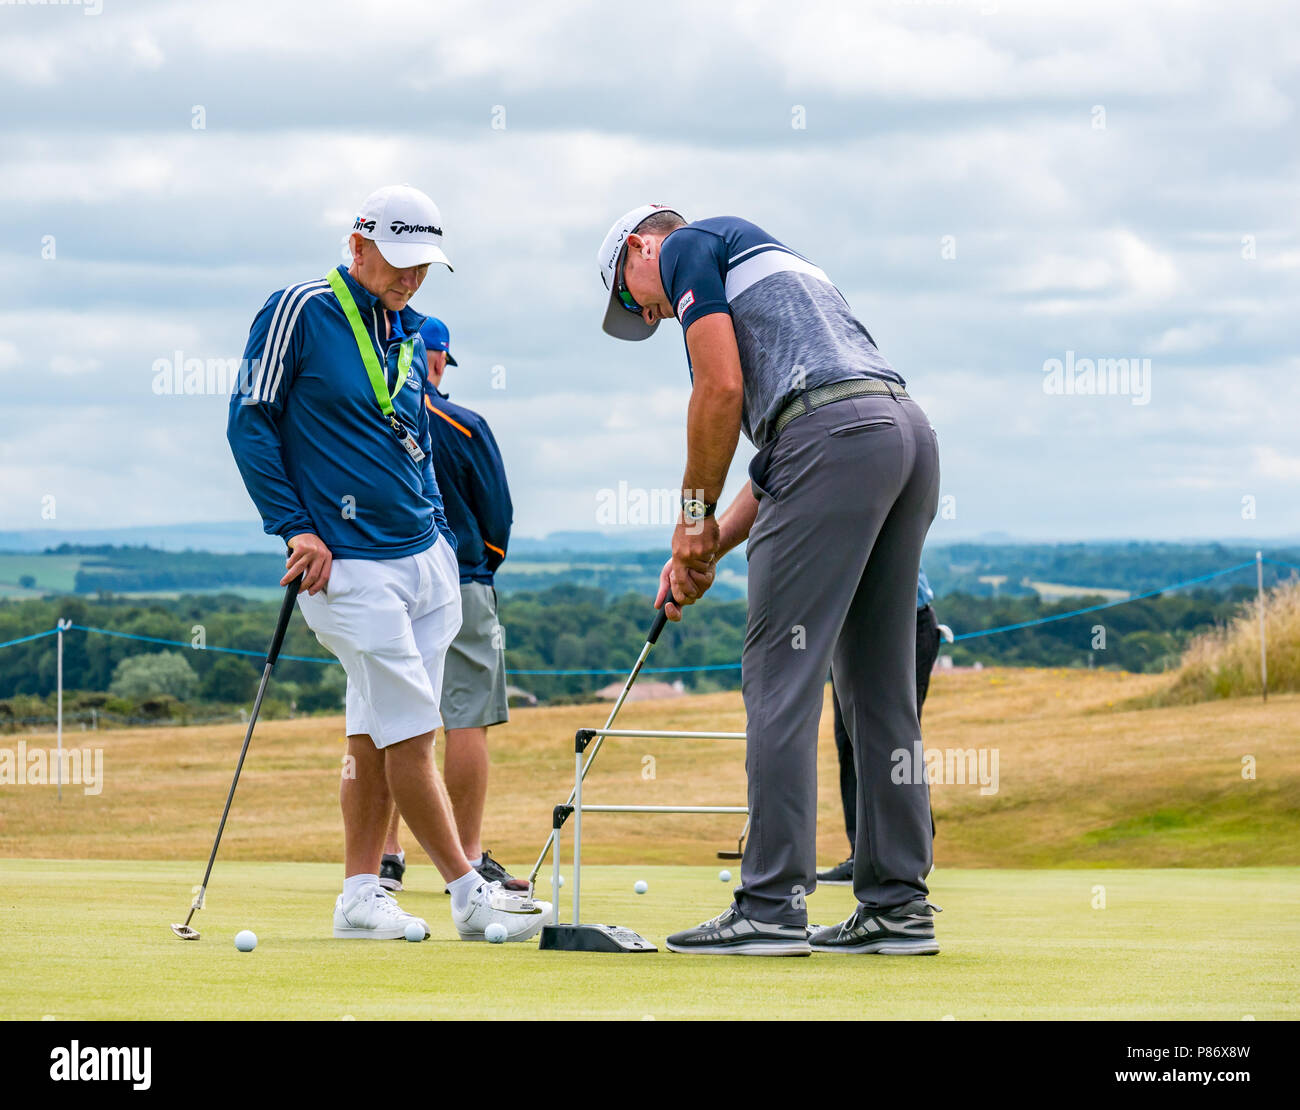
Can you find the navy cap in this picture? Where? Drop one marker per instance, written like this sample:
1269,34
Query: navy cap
437,338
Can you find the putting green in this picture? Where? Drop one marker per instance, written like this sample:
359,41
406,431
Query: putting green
90,939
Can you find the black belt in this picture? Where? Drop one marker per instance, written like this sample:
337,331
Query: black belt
836,391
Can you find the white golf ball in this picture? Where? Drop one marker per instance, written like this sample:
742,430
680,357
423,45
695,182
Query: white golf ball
415,931
724,876
245,940
641,886
495,933
561,880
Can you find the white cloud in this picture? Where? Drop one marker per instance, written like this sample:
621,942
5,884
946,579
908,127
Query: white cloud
1272,463
1187,339
1150,272
924,120
146,53
68,366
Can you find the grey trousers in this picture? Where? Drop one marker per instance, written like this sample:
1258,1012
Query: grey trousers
845,495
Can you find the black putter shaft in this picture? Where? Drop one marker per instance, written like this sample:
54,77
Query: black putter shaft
661,619
739,853
273,653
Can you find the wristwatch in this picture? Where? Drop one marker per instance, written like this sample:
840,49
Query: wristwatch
695,510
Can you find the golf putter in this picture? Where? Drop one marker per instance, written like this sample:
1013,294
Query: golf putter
661,618
186,931
739,853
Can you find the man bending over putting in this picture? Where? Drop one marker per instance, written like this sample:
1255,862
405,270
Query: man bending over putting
331,435
841,494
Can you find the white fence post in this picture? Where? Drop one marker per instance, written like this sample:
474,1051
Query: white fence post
59,724
1263,647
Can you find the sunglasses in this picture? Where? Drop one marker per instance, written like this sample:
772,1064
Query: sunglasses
620,286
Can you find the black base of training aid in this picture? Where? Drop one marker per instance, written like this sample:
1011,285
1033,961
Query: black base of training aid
592,938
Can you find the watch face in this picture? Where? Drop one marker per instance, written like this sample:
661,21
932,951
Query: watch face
694,510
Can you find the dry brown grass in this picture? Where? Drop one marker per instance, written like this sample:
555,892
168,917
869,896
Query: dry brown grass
1224,662
1083,781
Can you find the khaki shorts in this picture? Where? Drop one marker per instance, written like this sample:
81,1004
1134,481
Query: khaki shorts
474,677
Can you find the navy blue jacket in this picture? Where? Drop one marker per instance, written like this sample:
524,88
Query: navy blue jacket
924,595
315,452
475,495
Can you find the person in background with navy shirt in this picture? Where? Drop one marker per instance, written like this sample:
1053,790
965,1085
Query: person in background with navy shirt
476,498
330,431
927,651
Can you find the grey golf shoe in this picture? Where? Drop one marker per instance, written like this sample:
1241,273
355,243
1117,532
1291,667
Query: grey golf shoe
732,934
905,931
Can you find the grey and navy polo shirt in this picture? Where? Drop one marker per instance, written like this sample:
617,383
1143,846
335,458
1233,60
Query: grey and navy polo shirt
794,329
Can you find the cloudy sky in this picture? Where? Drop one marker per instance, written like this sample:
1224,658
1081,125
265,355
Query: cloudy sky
992,186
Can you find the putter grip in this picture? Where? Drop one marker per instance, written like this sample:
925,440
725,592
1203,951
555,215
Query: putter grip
661,618
282,625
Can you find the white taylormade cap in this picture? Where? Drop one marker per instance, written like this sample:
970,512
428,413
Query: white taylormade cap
404,224
619,321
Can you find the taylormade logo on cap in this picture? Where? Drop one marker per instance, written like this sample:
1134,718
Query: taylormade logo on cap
404,224
397,228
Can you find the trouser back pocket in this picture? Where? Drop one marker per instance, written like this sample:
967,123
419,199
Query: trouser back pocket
861,424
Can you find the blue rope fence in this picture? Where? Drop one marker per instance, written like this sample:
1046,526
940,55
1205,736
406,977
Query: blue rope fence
182,643
673,670
1104,605
25,639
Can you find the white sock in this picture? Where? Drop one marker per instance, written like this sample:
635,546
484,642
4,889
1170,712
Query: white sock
354,884
462,888
476,863
401,856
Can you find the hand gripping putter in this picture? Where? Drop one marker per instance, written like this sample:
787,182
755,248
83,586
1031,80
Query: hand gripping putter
185,932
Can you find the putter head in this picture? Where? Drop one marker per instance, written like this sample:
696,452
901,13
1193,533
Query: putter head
731,855
185,932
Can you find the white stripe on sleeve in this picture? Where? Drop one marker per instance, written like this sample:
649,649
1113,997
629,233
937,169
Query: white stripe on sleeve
277,337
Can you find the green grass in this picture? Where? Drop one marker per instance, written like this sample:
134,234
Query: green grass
249,593
1058,591
1211,831
58,574
53,573
90,939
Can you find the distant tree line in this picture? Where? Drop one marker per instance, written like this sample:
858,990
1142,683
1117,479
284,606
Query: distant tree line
978,569
1134,567
113,569
564,628
1145,635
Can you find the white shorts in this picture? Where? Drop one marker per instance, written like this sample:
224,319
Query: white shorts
389,622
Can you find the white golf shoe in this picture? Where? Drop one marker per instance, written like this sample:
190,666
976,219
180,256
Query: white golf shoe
373,914
522,917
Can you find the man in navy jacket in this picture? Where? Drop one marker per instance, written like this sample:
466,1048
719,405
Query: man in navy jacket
332,437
